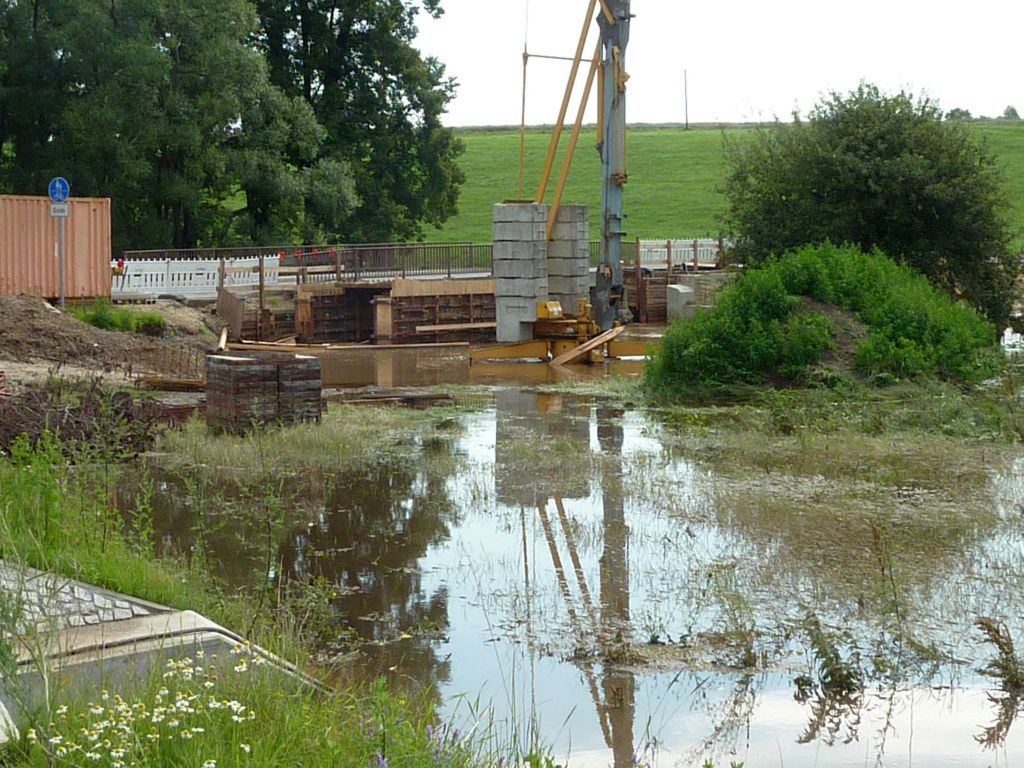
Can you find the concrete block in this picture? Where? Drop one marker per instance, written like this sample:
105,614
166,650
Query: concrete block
521,269
511,331
568,268
515,308
529,288
681,301
520,212
530,250
519,232
566,249
568,285
572,213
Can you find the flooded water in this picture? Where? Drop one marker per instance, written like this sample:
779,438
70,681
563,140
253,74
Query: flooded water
558,565
422,367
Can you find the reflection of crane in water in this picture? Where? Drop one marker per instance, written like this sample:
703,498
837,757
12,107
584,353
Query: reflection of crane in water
614,694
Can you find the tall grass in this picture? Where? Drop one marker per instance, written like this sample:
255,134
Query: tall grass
102,314
755,331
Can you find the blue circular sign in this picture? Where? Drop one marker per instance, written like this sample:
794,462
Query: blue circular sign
59,189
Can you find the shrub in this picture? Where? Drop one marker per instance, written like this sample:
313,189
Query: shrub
102,314
755,331
880,171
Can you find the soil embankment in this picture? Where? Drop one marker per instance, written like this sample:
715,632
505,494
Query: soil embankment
37,339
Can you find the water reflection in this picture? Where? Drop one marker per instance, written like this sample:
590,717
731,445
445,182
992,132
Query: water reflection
562,563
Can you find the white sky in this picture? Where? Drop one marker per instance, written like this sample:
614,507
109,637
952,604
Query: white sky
746,60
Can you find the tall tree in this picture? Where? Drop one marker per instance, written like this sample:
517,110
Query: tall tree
166,107
884,172
381,102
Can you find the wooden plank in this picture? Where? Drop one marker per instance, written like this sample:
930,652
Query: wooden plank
267,346
455,327
406,288
575,354
230,309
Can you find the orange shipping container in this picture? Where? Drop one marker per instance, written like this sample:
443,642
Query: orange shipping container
28,248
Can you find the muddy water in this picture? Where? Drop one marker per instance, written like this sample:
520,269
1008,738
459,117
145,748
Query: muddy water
563,567
429,367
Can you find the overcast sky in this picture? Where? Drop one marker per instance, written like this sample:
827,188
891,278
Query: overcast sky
745,60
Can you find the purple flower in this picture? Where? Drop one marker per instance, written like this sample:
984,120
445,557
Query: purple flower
382,762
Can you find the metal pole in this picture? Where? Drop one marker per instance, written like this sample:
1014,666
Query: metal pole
686,98
60,257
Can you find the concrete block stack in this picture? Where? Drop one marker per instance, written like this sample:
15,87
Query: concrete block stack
243,391
569,258
520,268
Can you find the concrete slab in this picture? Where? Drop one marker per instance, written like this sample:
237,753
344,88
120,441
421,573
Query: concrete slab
532,289
520,212
519,232
536,250
78,638
681,301
45,601
520,269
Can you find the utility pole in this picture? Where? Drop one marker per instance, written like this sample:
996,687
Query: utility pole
686,98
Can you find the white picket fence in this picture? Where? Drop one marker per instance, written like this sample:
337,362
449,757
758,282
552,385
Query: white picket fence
193,279
679,252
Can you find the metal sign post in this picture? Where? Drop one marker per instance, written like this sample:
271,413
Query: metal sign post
60,209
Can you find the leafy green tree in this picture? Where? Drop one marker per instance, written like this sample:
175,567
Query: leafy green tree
381,102
882,172
959,114
166,107
1010,113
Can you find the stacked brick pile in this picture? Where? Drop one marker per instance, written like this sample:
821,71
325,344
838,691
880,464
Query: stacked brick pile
569,258
520,268
246,391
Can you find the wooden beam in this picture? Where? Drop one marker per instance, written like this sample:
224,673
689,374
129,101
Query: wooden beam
455,327
575,354
267,346
402,288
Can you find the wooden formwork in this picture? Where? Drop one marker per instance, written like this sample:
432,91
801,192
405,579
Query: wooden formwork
647,301
241,314
437,311
336,313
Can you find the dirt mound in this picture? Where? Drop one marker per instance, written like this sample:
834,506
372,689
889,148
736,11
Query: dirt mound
32,330
847,332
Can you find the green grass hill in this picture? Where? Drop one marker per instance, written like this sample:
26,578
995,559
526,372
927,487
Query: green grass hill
675,178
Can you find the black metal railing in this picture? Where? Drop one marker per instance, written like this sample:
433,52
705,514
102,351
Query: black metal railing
358,262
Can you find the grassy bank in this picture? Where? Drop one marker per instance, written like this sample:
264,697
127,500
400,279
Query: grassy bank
675,178
56,515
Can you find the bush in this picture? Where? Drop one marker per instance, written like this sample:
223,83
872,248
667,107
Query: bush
102,314
755,331
883,172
